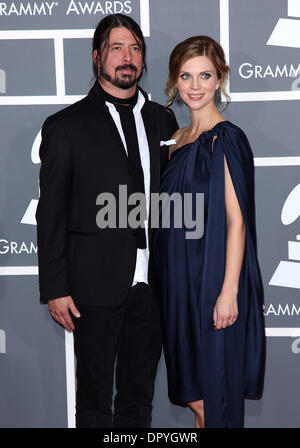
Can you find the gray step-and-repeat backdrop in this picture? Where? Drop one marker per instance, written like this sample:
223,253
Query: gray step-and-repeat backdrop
45,64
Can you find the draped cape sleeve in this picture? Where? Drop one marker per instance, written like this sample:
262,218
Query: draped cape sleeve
232,144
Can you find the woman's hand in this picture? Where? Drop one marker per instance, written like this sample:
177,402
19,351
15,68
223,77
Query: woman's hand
225,310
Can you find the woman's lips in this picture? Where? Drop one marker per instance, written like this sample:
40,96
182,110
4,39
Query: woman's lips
195,97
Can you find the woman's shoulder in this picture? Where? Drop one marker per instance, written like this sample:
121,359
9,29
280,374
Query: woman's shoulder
235,139
232,127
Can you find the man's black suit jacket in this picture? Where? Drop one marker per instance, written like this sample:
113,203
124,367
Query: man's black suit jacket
82,155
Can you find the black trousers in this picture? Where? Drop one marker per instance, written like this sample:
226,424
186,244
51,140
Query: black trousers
127,340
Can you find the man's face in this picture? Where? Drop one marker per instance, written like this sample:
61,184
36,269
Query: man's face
121,62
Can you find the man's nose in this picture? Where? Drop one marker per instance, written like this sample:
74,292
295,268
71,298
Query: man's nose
127,56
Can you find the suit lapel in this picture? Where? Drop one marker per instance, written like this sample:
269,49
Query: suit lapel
116,134
96,96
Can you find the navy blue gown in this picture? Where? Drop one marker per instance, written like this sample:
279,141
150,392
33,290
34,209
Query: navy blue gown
219,366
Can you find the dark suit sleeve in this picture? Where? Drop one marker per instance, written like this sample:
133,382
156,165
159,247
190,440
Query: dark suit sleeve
52,211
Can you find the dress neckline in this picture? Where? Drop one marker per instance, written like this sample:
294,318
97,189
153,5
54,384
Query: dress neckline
202,133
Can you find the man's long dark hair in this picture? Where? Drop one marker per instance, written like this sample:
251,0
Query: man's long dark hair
102,32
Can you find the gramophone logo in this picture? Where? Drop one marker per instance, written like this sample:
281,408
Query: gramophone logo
29,215
287,31
287,273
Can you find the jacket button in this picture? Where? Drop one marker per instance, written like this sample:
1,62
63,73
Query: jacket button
133,232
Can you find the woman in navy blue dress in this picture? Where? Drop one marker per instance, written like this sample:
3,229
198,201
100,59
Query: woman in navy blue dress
210,286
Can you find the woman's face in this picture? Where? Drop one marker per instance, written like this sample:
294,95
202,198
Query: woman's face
197,82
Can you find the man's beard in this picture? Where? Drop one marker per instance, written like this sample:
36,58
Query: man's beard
126,82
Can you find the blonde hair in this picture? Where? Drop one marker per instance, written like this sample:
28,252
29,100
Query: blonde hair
190,48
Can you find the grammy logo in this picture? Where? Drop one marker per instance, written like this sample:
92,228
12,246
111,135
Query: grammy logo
287,273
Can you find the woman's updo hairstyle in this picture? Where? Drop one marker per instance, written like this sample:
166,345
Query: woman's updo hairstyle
190,48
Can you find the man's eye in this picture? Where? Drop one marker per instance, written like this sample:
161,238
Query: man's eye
136,49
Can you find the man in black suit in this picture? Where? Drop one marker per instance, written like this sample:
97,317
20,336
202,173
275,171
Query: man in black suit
95,278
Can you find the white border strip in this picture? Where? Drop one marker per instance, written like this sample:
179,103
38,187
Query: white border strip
46,34
39,100
276,161
224,36
285,95
282,332
145,17
19,270
59,67
70,378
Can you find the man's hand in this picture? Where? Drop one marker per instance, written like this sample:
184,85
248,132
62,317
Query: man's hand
60,311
